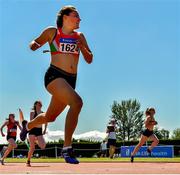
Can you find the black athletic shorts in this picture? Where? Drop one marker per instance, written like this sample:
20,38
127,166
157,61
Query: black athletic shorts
111,142
54,72
147,133
10,137
36,132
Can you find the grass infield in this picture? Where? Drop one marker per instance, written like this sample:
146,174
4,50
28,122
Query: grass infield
88,160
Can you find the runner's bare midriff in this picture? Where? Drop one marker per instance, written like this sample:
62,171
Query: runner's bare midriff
66,62
150,127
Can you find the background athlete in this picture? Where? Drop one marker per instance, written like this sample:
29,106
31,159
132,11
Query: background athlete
11,125
36,134
60,79
111,131
147,133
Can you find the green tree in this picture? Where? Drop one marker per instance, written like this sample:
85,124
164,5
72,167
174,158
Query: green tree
164,133
161,133
176,133
129,119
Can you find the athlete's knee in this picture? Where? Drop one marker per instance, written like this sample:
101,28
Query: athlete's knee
156,141
32,148
32,145
42,146
139,145
52,118
78,103
14,145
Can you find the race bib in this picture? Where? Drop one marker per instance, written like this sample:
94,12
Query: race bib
68,45
12,130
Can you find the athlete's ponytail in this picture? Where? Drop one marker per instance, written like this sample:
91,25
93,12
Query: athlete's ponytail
66,10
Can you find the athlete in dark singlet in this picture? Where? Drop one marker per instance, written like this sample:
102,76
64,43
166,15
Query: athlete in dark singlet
36,134
111,131
147,133
11,125
60,79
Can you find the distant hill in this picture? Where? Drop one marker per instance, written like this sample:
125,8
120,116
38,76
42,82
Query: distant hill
59,135
91,136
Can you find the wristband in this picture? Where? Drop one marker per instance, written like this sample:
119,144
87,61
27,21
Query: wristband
37,43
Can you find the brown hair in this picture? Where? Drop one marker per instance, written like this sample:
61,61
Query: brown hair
34,105
148,111
66,10
11,114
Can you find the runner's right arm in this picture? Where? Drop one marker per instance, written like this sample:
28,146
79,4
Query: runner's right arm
44,37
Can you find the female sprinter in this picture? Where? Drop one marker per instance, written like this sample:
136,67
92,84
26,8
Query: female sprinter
36,134
147,133
11,124
60,79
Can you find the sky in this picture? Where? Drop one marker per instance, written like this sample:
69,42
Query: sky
135,44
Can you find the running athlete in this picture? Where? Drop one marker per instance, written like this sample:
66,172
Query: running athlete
36,134
147,133
60,79
111,130
11,124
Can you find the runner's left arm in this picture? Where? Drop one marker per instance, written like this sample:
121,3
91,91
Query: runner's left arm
86,52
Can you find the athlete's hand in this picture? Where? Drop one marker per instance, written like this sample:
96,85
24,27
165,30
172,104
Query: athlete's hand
34,45
153,122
